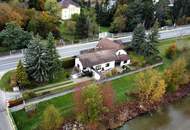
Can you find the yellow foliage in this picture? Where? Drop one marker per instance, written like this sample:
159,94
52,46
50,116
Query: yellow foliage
151,86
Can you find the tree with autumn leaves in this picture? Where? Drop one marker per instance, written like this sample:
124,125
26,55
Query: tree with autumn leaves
150,86
92,101
176,75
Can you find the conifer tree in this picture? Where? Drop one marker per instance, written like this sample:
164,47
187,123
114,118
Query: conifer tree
21,75
37,62
139,38
54,62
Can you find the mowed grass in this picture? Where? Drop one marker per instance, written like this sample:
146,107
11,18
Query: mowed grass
5,81
65,103
25,121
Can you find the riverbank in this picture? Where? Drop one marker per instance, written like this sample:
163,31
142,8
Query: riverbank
133,109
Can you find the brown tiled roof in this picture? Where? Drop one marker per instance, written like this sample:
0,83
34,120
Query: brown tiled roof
123,57
66,3
106,44
99,57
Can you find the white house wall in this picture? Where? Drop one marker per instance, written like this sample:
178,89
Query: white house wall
68,12
96,76
123,64
121,52
78,64
111,66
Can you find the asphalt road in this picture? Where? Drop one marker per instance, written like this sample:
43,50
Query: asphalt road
4,120
9,62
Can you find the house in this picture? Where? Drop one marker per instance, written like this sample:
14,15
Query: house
69,8
107,56
171,2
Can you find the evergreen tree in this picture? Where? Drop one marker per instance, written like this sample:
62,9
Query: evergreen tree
21,75
139,39
37,62
54,62
14,37
143,45
153,35
81,26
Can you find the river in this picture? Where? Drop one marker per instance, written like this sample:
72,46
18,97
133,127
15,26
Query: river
173,117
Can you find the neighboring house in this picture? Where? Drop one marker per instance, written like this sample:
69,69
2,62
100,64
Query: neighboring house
106,56
111,3
69,8
171,2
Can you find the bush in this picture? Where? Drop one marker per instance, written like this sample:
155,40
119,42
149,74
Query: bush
171,51
28,95
67,74
109,74
114,71
176,75
68,63
16,102
153,60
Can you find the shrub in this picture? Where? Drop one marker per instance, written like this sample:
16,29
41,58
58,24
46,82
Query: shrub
16,102
13,82
67,74
109,74
171,51
176,74
114,71
28,95
153,60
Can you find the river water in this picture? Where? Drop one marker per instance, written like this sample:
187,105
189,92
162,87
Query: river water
173,117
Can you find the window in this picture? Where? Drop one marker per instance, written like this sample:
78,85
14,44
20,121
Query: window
108,64
125,62
98,67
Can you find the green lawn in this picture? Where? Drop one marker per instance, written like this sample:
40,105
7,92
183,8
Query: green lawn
104,29
65,103
5,81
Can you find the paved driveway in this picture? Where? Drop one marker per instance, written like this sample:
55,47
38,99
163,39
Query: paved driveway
4,120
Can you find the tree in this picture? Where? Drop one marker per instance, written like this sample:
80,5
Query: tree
145,45
104,16
51,119
8,14
135,14
163,13
37,4
90,103
21,75
119,22
153,35
139,38
52,6
176,74
42,23
118,25
14,37
37,61
150,86
54,62
181,9
86,24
